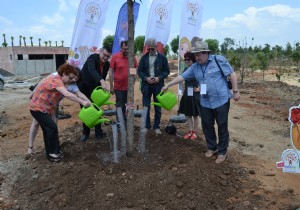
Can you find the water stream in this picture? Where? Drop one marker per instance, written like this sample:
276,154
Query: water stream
143,132
121,124
115,142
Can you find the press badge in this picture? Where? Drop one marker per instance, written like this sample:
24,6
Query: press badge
190,91
203,89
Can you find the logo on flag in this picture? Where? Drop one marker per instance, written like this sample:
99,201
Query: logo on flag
93,13
193,7
162,12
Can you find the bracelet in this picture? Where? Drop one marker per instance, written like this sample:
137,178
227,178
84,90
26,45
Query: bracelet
235,91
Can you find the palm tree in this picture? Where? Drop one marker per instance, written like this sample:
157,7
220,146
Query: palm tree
49,43
62,43
24,39
4,40
31,41
40,42
12,41
46,43
4,44
20,40
55,43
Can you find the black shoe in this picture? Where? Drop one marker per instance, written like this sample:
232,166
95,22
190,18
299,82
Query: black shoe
100,136
54,158
83,138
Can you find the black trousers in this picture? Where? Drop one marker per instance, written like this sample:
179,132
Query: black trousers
208,118
50,132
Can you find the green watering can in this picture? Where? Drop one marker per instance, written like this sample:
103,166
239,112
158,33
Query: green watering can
91,115
100,96
166,100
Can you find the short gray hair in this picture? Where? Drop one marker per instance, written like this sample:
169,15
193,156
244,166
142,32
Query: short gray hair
151,42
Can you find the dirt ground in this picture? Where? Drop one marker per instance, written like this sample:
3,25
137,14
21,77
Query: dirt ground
173,173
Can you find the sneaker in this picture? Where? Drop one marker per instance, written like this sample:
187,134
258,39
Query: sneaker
221,158
193,136
210,153
157,131
188,135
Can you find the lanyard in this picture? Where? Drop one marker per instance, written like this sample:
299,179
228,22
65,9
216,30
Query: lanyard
203,72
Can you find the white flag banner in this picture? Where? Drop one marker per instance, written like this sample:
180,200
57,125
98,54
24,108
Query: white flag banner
190,29
87,30
159,22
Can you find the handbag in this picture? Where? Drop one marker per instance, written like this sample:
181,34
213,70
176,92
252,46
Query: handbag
228,78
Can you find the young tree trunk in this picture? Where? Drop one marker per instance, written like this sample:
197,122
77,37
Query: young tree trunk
131,78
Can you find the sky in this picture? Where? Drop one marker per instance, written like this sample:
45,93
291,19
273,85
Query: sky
248,22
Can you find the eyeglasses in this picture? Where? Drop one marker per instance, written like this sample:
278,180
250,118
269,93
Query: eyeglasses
150,49
106,55
187,59
72,78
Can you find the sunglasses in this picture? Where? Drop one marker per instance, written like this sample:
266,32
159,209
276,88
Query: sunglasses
187,59
150,49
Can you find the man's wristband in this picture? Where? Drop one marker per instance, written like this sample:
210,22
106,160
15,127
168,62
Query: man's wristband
235,91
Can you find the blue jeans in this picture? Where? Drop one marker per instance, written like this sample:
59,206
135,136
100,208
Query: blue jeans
208,118
153,90
50,132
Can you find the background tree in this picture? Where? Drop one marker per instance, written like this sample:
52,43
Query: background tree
62,43
40,42
50,43
213,45
167,50
262,62
20,40
55,43
24,39
139,44
46,43
296,55
12,40
31,41
108,41
226,45
174,45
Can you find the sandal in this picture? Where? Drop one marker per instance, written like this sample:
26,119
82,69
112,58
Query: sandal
193,136
188,135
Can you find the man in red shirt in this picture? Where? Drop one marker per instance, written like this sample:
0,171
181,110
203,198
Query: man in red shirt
118,76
